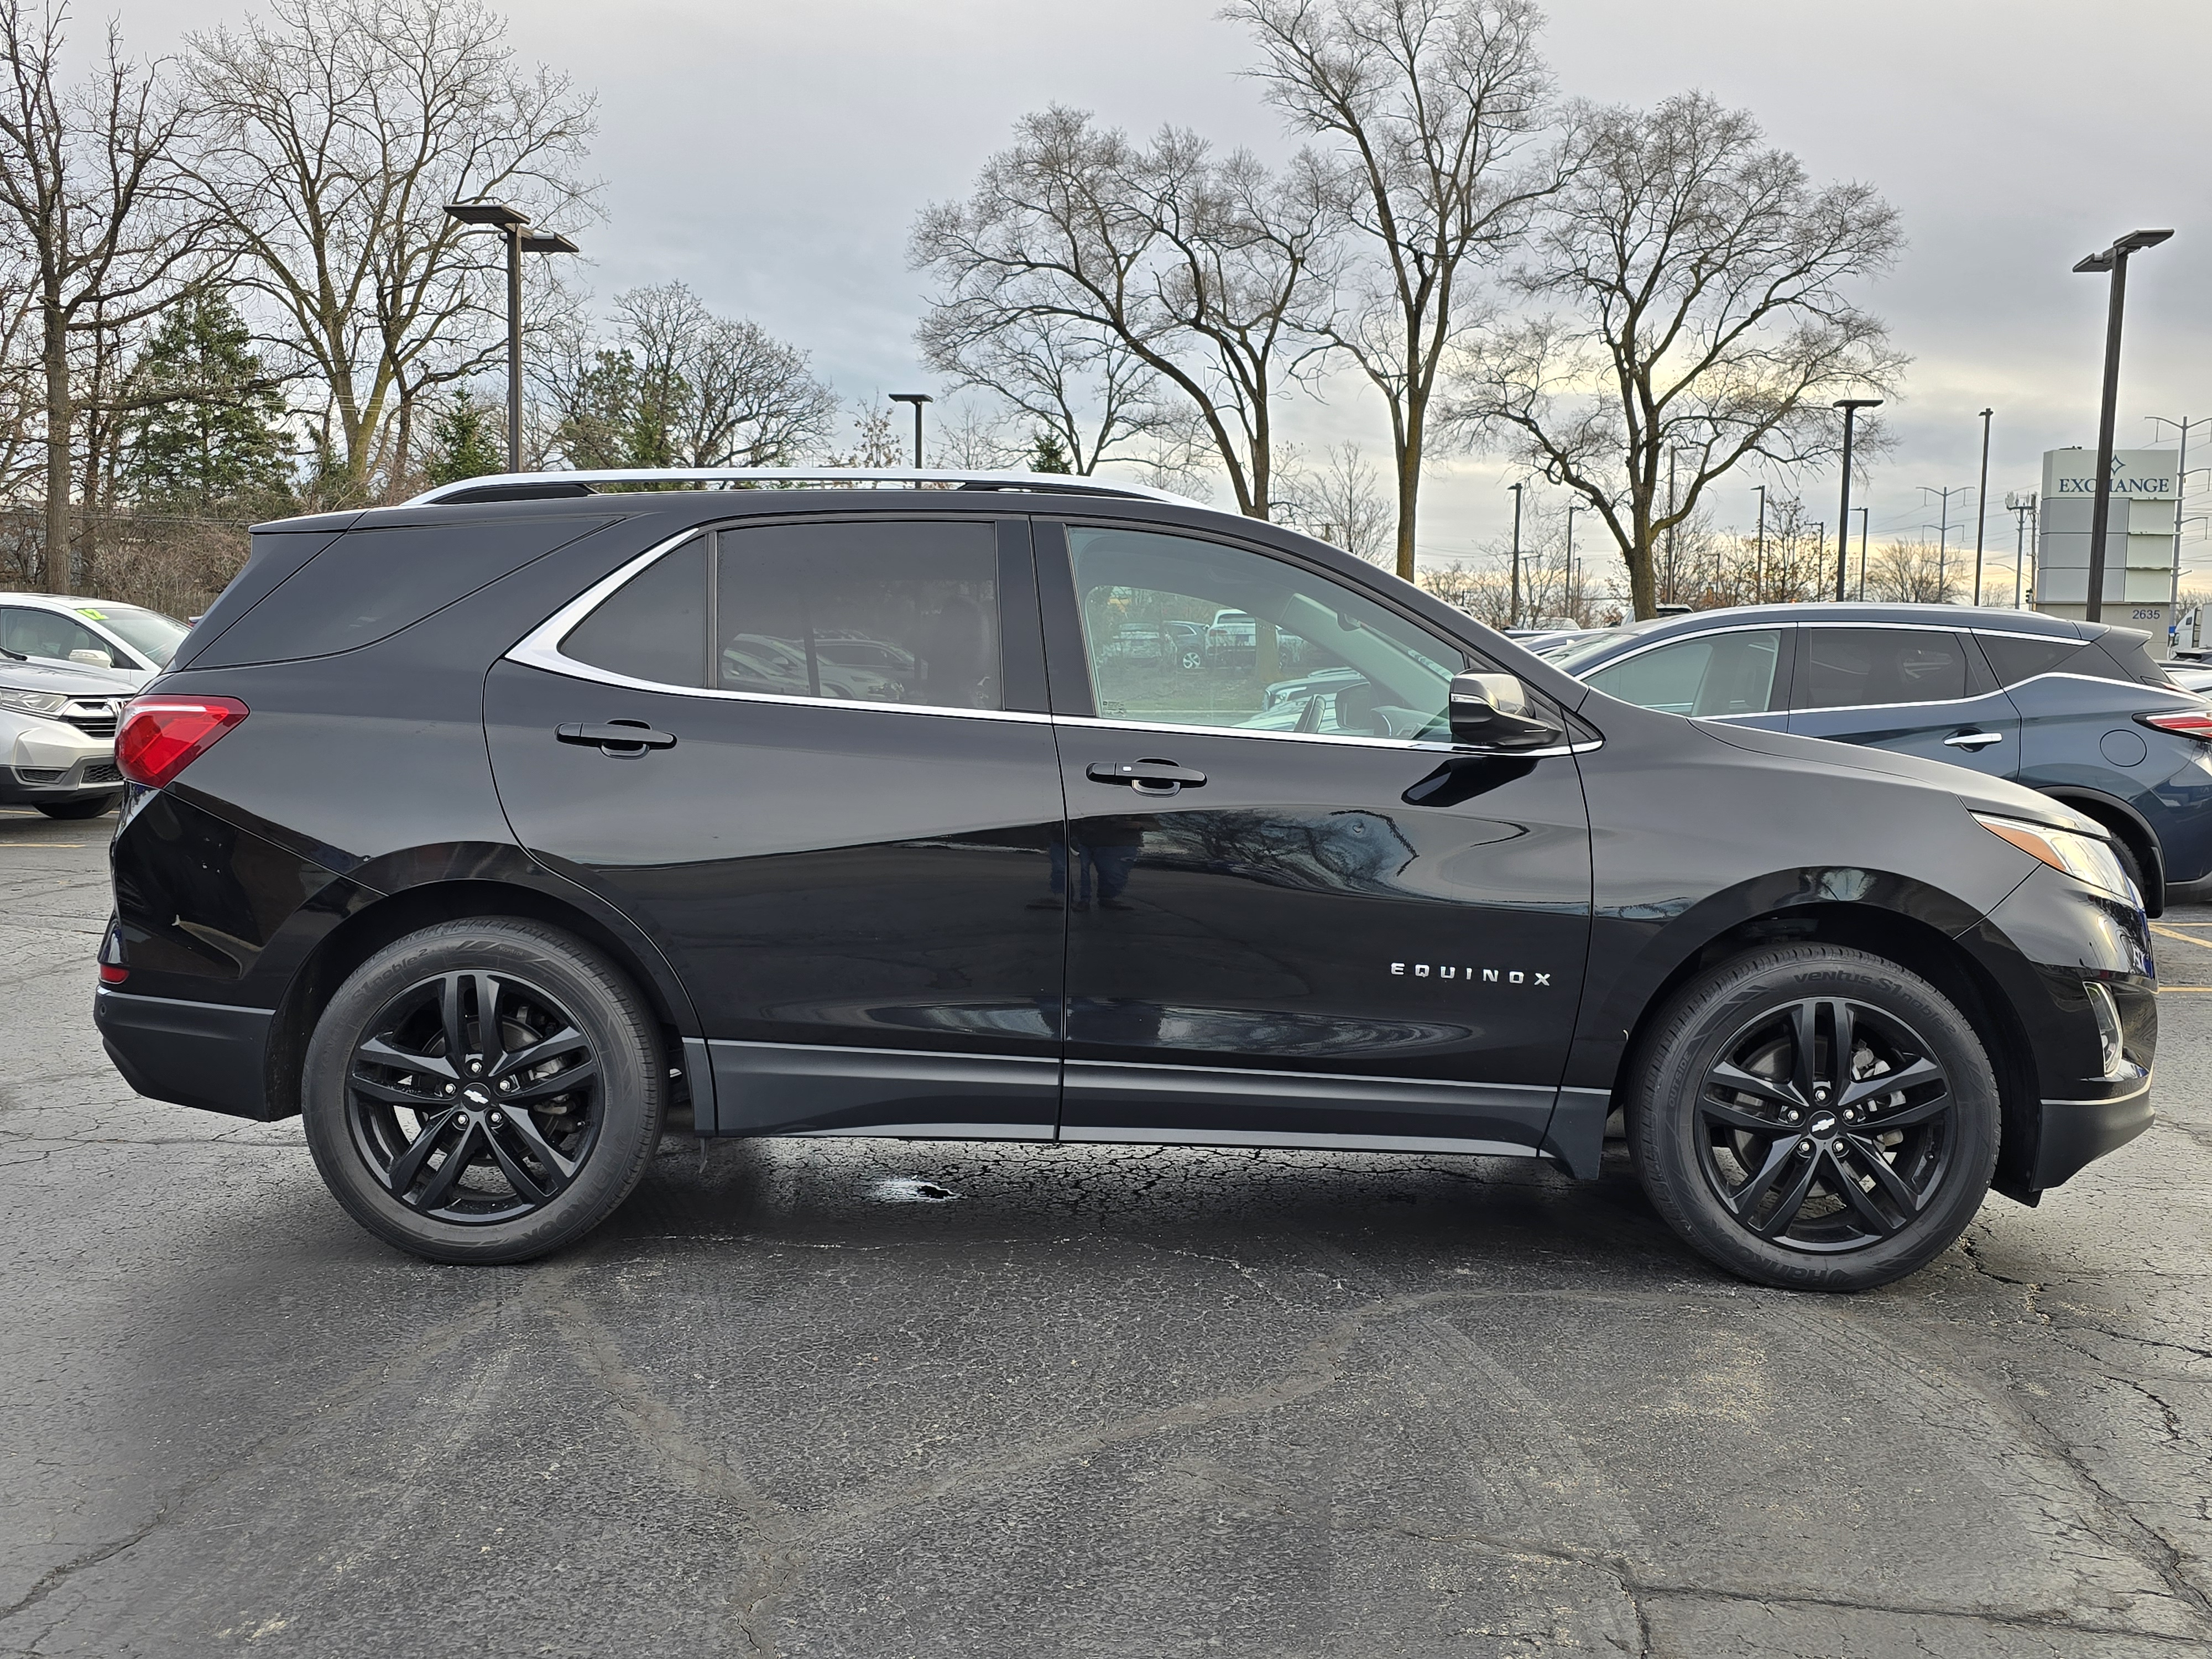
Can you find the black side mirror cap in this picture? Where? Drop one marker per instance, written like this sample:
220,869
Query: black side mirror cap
1494,712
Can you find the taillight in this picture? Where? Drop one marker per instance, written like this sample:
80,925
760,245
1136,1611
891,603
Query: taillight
162,735
2192,723
112,973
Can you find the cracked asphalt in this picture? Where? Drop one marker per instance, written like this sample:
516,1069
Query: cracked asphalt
889,1399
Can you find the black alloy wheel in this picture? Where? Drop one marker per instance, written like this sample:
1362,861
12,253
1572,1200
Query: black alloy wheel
1826,1125
1815,1117
475,1097
484,1091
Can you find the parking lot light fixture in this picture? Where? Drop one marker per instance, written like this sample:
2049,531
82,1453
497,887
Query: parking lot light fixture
1850,406
1513,613
917,399
511,223
2113,260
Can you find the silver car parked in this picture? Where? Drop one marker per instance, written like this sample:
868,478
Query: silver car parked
58,736
60,628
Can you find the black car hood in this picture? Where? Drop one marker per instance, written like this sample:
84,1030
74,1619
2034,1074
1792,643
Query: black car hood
1975,791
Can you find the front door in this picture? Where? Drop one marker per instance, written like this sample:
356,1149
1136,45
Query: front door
836,816
1296,916
1916,690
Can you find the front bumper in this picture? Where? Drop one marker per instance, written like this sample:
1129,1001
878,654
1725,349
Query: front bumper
50,761
2074,1134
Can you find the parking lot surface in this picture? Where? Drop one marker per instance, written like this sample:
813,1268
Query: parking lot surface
882,1398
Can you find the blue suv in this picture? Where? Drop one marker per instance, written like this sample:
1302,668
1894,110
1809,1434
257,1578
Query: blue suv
2077,710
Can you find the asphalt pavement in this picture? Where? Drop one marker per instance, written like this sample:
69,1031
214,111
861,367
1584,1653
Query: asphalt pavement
879,1397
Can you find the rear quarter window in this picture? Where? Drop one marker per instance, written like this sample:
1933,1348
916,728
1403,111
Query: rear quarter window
371,582
2016,657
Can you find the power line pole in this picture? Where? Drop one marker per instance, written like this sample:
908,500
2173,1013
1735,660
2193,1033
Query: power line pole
1943,535
1864,514
2019,511
1981,505
1513,618
2180,505
1758,559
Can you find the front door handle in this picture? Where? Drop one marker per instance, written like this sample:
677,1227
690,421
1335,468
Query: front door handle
1146,777
624,739
1973,740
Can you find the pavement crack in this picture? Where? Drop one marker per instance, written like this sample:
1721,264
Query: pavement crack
91,1558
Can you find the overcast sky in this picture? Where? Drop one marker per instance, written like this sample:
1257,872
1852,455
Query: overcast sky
773,156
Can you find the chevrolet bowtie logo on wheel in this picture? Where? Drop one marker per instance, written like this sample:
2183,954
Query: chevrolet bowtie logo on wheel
1483,975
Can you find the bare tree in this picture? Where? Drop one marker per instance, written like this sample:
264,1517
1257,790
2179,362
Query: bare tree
88,183
1432,106
1091,392
1189,265
336,131
1343,502
1706,323
676,385
1910,573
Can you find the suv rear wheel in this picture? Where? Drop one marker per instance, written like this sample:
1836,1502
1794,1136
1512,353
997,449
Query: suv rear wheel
1814,1117
484,1091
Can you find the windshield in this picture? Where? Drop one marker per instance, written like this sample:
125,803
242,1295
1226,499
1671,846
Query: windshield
1572,654
152,635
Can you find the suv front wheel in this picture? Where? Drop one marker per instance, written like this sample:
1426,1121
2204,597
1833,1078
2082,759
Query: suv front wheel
484,1091
1814,1117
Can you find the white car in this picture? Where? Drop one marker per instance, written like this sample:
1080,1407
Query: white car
58,736
57,628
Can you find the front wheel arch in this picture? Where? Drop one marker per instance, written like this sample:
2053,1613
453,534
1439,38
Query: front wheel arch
1911,944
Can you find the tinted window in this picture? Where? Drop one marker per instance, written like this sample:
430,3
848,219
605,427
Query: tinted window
654,626
885,613
1191,633
2016,658
1853,667
1712,674
49,633
369,584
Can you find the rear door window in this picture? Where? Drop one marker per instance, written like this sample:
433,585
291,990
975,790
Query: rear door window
1707,675
1861,667
877,612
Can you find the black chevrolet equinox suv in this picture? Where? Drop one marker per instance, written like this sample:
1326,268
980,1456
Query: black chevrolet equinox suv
487,831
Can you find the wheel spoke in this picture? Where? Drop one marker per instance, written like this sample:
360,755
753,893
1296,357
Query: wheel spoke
1732,1076
1905,1116
1804,1026
447,1175
562,1042
392,1094
1862,1206
535,1188
377,1051
408,1164
449,1014
1870,1156
1745,1199
491,1045
1785,1210
545,1088
1735,1116
1867,1088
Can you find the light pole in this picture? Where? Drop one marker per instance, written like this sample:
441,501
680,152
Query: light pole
2115,260
1864,514
510,223
1850,406
1513,617
1758,559
1567,569
917,399
1981,505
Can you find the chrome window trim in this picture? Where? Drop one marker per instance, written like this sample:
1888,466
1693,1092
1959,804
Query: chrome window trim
540,648
1400,744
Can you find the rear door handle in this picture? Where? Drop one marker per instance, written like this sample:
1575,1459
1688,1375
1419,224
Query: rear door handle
1146,777
1974,739
622,738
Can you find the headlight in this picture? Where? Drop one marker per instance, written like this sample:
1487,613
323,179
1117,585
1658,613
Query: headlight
2082,857
33,702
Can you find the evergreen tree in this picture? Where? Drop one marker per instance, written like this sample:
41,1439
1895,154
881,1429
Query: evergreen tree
1049,454
464,442
202,426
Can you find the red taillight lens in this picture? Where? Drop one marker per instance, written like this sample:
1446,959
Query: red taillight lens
2186,724
111,974
162,736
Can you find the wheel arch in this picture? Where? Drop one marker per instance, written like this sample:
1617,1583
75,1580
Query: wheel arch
369,928
1914,945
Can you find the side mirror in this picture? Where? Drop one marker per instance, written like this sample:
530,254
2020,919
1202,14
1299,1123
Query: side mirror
93,659
1492,711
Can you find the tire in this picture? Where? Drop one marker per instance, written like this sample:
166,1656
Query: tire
1703,1147
1192,661
90,807
387,1116
2154,903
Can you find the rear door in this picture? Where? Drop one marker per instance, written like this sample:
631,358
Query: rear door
844,853
1921,691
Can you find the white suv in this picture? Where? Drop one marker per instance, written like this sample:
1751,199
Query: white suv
57,628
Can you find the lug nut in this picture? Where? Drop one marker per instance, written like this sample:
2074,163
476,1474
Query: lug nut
475,1065
495,1117
507,1086
450,1087
1792,1115
1805,1147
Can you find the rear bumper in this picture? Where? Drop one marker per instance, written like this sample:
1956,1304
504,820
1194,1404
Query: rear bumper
208,1055
2075,1132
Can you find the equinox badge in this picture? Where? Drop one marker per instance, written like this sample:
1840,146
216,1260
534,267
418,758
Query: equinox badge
1486,975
